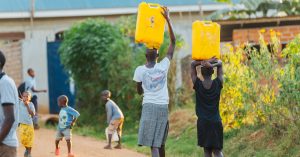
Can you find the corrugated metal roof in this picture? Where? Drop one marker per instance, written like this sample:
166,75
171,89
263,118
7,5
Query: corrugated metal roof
45,5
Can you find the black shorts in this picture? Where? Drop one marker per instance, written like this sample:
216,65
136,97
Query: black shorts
210,134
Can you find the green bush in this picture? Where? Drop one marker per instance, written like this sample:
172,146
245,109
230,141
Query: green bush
289,95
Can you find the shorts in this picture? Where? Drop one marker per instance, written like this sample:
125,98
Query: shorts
116,125
8,151
26,134
66,133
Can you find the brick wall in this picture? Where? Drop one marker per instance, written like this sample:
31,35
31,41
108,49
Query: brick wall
285,33
13,53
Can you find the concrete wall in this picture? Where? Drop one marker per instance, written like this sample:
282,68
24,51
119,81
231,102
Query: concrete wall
13,53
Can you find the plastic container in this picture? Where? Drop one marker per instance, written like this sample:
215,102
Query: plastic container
205,40
150,25
114,138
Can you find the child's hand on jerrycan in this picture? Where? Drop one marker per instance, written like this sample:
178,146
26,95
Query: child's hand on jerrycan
165,13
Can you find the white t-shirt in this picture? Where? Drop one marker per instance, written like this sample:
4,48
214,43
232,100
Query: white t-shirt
154,82
9,94
29,83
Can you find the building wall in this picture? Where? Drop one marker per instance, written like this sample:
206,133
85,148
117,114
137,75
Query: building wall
13,67
285,34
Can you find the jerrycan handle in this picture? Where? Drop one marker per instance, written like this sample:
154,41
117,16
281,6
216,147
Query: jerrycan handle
153,5
207,22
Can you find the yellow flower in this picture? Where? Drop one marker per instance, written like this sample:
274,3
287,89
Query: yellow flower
262,30
272,33
278,34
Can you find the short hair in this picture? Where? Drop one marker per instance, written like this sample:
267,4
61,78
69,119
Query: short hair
64,97
29,94
29,69
206,72
106,92
2,59
154,50
152,54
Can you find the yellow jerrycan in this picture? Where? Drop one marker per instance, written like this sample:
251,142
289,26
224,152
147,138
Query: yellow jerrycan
205,40
150,25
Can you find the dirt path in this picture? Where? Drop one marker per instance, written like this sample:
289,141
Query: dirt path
82,147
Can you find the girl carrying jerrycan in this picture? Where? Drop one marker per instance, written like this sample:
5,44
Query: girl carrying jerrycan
205,53
151,82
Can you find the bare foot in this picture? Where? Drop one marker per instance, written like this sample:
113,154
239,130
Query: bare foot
107,147
118,146
71,155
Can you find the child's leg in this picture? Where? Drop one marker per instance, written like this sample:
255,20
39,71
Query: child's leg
59,137
120,140
111,129
155,152
217,153
68,136
207,152
119,131
109,142
162,151
28,149
69,144
57,144
119,146
109,139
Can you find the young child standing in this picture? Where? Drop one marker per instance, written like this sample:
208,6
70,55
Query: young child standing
67,119
26,129
115,118
208,91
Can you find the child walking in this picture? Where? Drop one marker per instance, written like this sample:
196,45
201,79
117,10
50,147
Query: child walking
26,129
115,118
208,91
67,119
151,82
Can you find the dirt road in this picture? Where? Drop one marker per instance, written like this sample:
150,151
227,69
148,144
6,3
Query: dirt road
82,147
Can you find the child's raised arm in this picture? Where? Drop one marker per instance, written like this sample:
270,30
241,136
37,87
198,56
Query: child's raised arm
194,64
30,109
219,70
171,33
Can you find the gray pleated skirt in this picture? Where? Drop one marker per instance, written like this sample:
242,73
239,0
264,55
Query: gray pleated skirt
153,127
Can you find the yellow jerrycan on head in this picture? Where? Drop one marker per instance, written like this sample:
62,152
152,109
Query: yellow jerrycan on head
205,40
150,25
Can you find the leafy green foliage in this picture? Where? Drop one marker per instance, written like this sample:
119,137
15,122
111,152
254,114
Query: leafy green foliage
289,96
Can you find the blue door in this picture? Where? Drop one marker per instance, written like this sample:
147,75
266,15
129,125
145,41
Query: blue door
58,79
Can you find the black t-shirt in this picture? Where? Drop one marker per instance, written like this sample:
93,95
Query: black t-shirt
207,100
